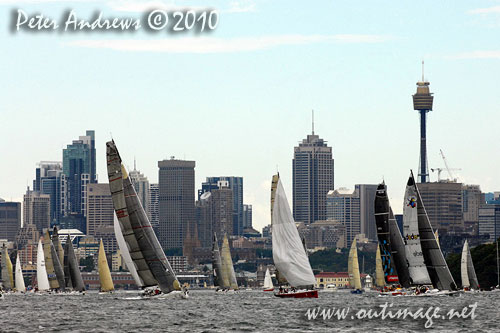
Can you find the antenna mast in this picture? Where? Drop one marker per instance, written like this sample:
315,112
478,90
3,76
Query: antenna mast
312,122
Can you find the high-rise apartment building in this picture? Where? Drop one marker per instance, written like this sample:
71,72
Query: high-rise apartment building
141,186
366,194
247,216
313,170
50,180
344,206
36,210
152,211
100,216
236,186
176,201
10,219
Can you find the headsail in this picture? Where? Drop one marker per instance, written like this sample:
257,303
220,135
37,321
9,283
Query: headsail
19,276
49,263
382,208
414,254
398,251
219,279
288,252
468,273
74,270
436,264
268,282
125,254
104,274
379,271
145,250
353,267
58,268
41,272
227,265
7,274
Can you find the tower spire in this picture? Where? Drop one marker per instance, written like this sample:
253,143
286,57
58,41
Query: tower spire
423,71
312,122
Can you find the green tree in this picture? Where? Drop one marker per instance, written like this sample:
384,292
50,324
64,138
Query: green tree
88,262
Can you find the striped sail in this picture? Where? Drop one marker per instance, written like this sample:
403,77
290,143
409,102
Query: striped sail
151,263
41,272
104,274
49,263
124,252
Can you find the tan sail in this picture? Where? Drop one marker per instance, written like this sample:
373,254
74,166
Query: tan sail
379,272
8,282
353,267
437,237
104,273
49,264
227,265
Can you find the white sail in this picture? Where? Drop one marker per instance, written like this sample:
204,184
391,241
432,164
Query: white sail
463,266
41,271
288,252
353,267
416,266
19,279
125,253
268,282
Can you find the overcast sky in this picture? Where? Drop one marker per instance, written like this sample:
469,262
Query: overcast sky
238,99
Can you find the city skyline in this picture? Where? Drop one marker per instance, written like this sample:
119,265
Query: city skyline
240,111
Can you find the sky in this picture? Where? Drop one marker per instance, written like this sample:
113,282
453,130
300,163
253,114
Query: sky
238,99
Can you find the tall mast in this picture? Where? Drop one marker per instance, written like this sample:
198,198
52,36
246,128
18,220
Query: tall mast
498,268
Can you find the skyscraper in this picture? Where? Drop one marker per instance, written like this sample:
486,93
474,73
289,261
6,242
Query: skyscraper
247,216
79,166
489,219
313,170
100,216
422,102
141,186
344,206
10,219
152,211
366,194
51,180
473,198
236,186
36,210
176,201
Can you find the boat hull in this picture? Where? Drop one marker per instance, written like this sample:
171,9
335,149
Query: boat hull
270,289
299,294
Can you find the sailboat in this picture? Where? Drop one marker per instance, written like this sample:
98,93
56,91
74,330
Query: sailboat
228,274
289,255
57,255
221,280
7,272
353,269
379,271
268,281
75,276
104,274
41,271
49,263
153,268
468,273
20,287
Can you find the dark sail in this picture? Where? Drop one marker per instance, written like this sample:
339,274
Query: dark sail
57,267
398,251
145,250
74,270
433,257
383,232
217,264
67,273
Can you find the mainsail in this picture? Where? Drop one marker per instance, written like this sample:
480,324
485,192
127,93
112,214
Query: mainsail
379,271
145,250
41,272
398,251
227,265
382,210
74,270
7,274
49,263
268,282
124,252
414,254
433,257
57,245
19,276
220,279
288,252
104,274
353,267
468,273
67,270
58,268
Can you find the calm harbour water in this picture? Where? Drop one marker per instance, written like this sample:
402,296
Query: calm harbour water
246,311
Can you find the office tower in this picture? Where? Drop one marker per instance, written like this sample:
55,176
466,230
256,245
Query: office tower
313,169
176,201
79,166
100,216
247,216
489,219
205,219
222,201
366,194
236,186
36,210
422,102
10,219
344,206
152,211
473,198
141,185
443,204
51,180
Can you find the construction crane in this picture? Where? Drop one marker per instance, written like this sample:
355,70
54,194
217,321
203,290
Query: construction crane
447,168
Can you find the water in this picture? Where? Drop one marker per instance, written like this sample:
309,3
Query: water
246,311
